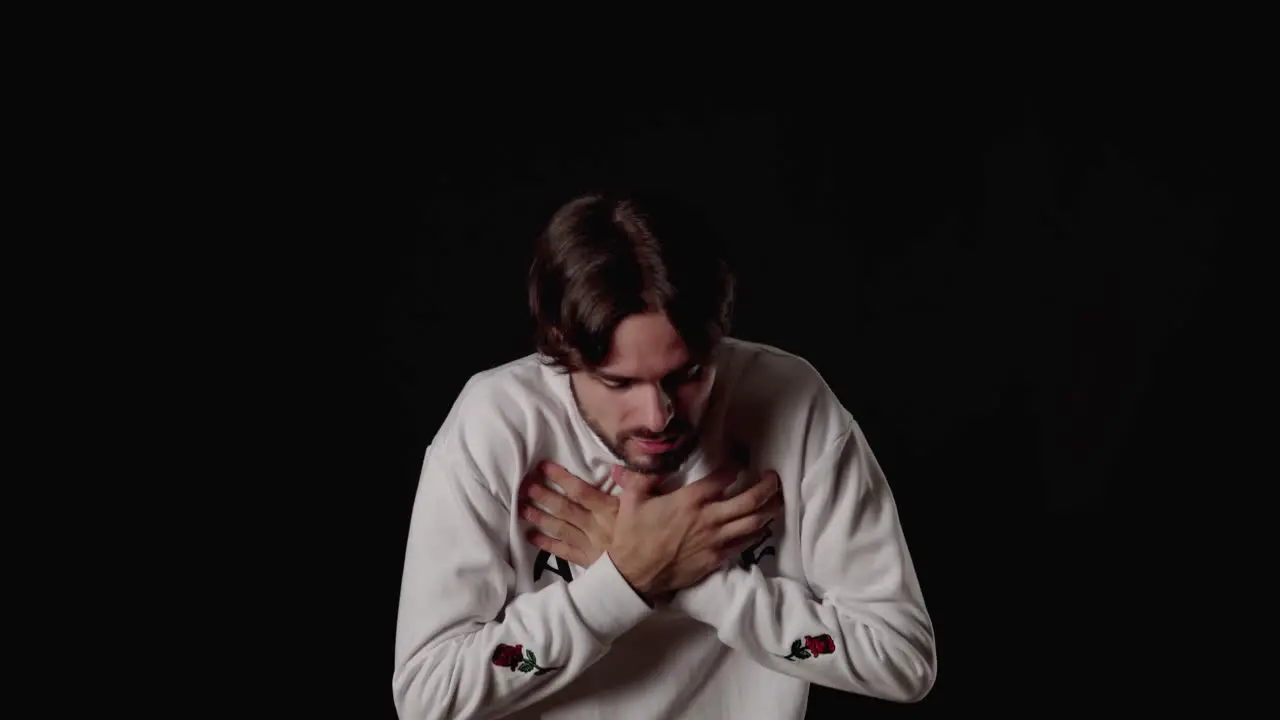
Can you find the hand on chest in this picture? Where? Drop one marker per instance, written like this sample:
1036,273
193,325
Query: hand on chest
564,521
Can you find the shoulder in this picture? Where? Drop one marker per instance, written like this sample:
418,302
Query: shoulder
763,358
781,393
497,419
781,380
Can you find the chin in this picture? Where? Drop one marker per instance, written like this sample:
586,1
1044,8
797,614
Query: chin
660,464
647,464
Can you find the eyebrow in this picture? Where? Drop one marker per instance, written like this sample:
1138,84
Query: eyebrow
622,379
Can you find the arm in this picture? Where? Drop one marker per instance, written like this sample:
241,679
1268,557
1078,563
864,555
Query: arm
459,626
860,622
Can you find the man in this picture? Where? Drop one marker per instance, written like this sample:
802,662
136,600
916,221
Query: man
647,518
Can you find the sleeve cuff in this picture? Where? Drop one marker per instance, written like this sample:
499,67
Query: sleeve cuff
607,603
708,601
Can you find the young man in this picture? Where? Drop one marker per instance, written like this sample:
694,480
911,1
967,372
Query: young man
647,518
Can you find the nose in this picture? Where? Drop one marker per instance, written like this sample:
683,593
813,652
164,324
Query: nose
658,408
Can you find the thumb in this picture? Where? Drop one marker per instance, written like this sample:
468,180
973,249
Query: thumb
634,483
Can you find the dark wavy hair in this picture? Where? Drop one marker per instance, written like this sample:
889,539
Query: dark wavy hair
603,257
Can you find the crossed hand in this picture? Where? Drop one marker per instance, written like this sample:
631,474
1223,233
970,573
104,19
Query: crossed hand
659,543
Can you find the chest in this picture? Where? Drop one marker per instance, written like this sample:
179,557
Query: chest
775,552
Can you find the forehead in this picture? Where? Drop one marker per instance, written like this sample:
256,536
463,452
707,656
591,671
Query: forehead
646,347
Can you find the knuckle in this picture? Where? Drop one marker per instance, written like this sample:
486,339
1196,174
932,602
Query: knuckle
687,519
764,496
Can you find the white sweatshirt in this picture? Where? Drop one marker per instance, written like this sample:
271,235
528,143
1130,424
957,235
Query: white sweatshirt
490,626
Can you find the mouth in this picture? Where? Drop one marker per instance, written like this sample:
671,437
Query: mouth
658,446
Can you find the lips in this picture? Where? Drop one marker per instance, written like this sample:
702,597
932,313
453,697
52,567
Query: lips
657,446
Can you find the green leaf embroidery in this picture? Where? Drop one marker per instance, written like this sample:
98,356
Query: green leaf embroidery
796,647
507,656
802,653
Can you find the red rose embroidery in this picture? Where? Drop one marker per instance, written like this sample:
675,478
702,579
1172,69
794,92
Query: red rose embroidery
507,656
517,658
811,646
820,645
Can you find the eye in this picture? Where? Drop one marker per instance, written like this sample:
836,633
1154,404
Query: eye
614,385
690,375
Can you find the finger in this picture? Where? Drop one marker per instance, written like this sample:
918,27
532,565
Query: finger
750,526
634,483
735,549
577,489
749,500
533,477
559,548
713,486
554,526
559,505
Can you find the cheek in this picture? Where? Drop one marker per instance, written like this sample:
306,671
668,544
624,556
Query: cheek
603,406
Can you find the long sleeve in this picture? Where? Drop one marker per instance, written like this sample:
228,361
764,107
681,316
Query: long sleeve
465,647
859,622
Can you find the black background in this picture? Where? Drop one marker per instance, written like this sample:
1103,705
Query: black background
1014,282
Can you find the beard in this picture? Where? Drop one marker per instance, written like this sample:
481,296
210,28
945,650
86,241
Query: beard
678,430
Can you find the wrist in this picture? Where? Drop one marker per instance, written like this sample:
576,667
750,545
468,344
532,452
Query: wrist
607,604
631,578
649,597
